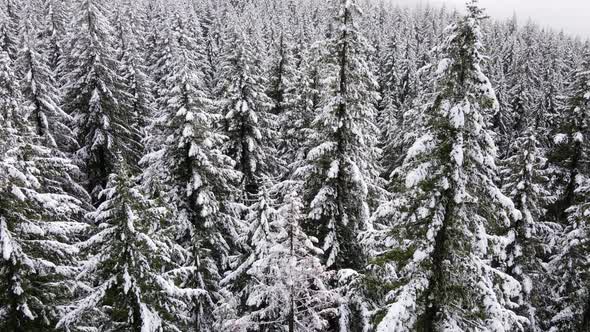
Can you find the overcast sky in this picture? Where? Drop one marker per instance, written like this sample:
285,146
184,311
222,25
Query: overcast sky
571,16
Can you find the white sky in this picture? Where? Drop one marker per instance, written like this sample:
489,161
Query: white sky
571,16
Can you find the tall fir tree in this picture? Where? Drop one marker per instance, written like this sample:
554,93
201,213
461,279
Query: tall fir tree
340,176
40,89
450,214
248,123
123,265
188,170
570,150
526,181
37,222
285,286
93,91
339,173
54,17
9,23
570,264
138,100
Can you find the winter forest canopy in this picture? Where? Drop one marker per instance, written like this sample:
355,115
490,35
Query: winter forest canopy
290,165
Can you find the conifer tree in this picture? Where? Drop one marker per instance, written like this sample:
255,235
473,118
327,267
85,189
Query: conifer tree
301,99
282,74
41,90
93,90
9,22
37,222
569,154
137,100
188,171
526,183
54,16
522,93
246,109
286,287
570,264
339,172
446,230
570,294
123,265
339,176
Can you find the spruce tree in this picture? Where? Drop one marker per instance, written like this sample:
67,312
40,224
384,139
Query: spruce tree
569,153
188,171
54,18
570,263
339,173
569,267
93,90
285,286
123,265
525,171
138,100
301,100
40,89
447,228
9,23
248,123
37,220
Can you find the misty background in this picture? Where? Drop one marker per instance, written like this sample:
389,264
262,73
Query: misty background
571,16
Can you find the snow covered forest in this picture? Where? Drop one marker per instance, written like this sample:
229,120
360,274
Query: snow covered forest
290,165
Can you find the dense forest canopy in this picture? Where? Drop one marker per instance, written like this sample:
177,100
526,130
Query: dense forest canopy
290,165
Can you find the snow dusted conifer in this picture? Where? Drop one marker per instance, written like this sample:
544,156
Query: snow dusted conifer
9,22
138,99
339,176
444,234
570,266
302,100
123,264
248,123
339,172
92,88
571,148
54,18
37,225
287,286
40,90
190,173
526,182
51,125
522,95
282,74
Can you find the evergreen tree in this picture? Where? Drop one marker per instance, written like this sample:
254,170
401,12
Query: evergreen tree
41,90
9,22
138,100
188,170
286,288
570,267
447,230
522,93
282,74
570,153
339,172
570,264
301,100
54,16
37,223
123,266
93,90
526,182
248,123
